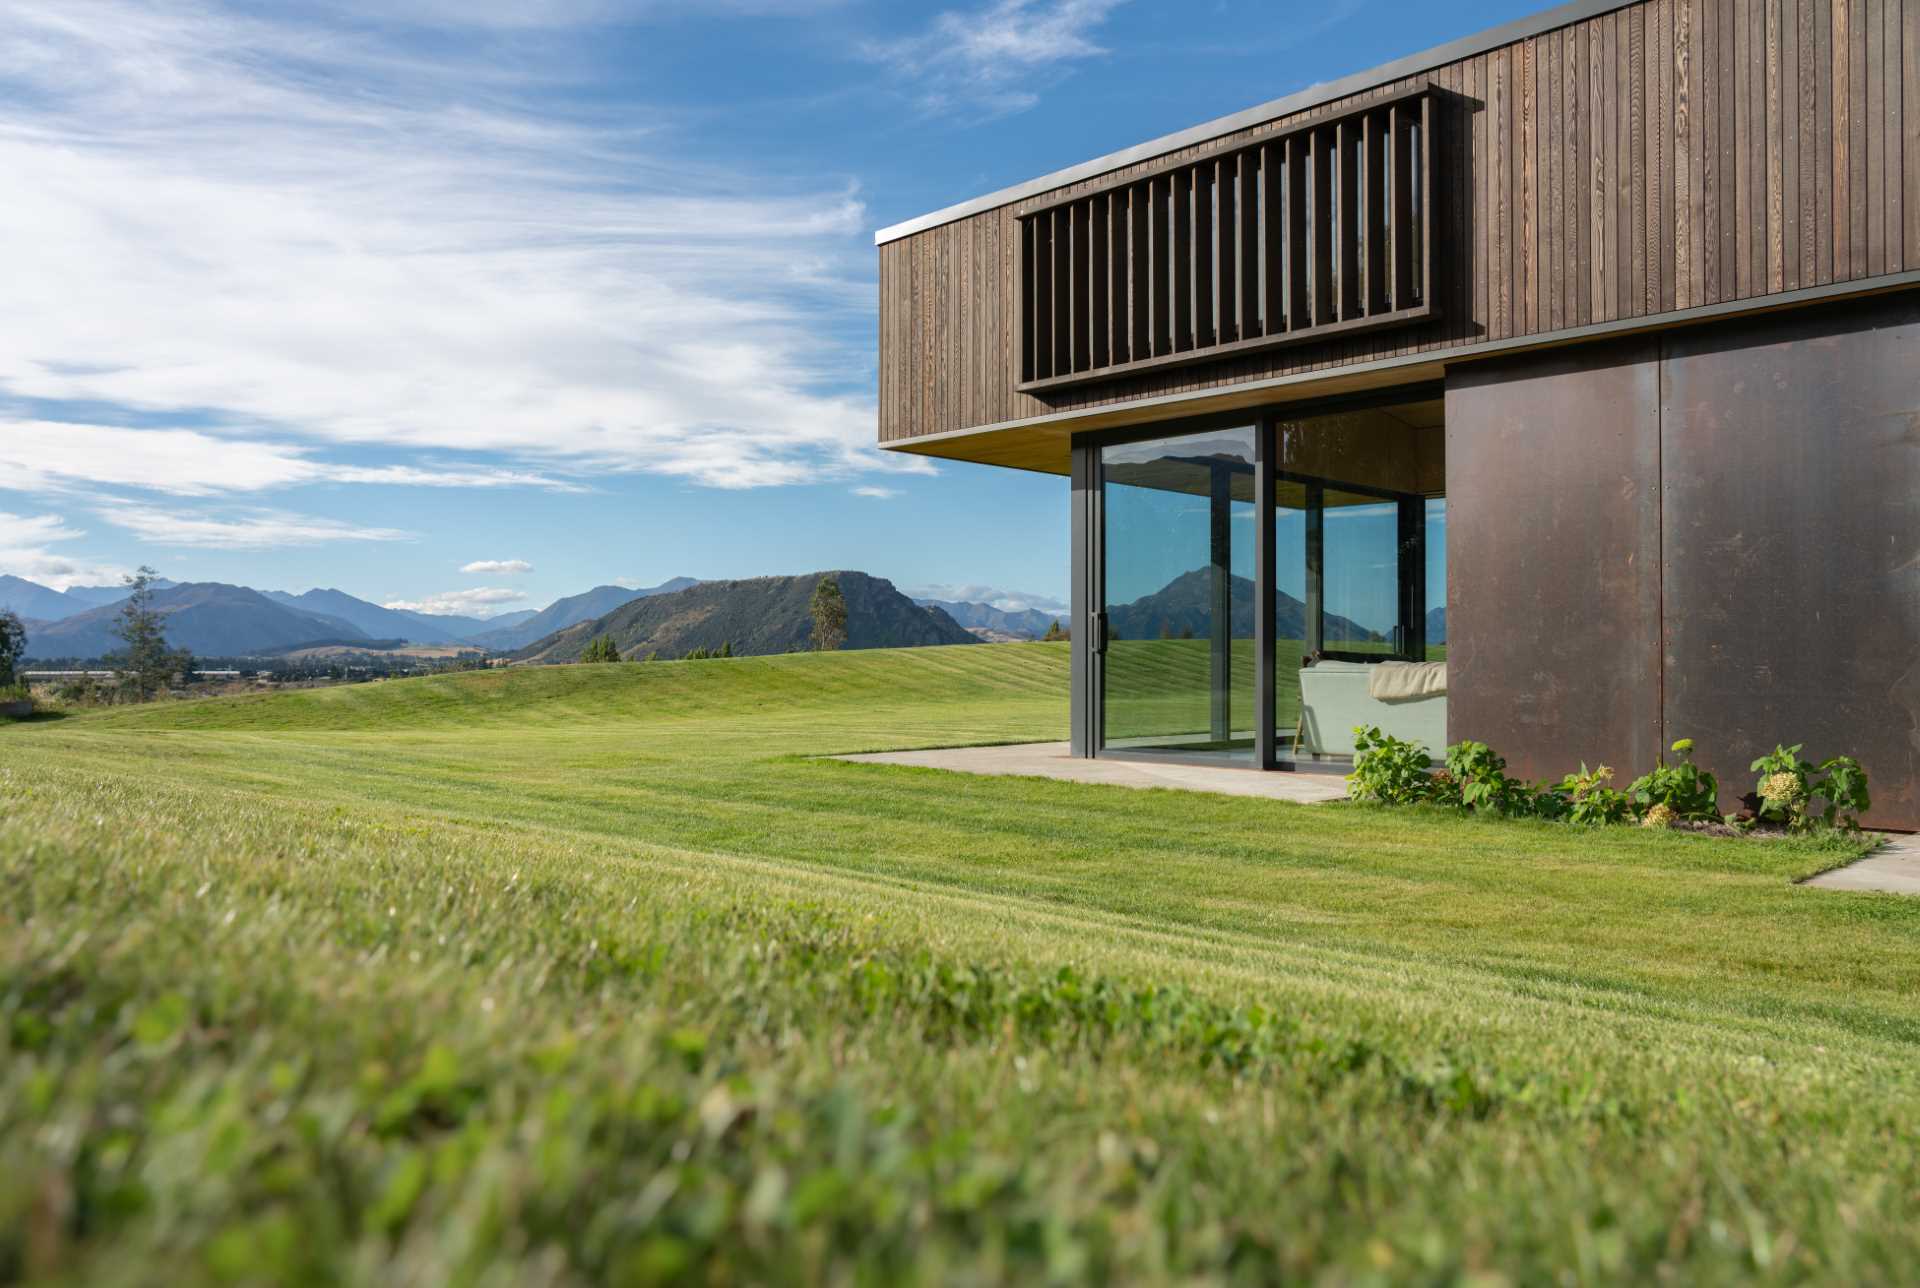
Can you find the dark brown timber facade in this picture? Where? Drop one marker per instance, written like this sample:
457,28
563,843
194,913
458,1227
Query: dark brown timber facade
1581,356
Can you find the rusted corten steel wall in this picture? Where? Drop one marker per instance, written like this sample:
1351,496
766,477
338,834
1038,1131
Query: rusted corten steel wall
1660,157
1553,557
1711,534
1790,453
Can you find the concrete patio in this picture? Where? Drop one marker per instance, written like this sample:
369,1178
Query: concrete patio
1894,868
1052,760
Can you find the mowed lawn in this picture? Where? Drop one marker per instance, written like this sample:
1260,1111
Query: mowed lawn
599,973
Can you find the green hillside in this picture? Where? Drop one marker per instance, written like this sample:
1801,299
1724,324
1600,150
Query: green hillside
599,974
755,616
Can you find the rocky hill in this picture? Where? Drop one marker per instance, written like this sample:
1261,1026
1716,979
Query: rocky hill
757,616
562,613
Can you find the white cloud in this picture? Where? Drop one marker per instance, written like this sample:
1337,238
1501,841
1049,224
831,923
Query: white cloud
989,58
263,221
255,530
481,601
510,566
877,493
49,456
1012,601
24,542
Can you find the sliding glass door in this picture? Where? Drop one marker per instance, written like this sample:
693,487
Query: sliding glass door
1177,576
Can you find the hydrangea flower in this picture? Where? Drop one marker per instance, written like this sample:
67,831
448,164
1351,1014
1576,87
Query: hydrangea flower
1661,815
1781,789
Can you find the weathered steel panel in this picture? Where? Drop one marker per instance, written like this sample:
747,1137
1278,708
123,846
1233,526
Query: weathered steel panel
1553,531
1791,455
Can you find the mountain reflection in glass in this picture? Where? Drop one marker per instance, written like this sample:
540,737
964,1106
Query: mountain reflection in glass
1179,594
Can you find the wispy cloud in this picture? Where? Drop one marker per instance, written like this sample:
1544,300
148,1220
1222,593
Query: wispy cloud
24,552
481,601
991,59
1012,601
876,492
507,566
55,456
255,530
226,218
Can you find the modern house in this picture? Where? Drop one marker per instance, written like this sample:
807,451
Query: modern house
1582,354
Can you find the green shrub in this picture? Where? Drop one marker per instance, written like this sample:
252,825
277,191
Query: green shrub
1845,791
1683,787
1484,784
1390,770
1783,787
1591,801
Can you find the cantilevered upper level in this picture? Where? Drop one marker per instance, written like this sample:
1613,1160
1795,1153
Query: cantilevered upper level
1597,169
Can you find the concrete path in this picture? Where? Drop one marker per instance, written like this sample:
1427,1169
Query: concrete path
1051,760
1893,868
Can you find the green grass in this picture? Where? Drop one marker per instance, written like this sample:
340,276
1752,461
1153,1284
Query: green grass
597,973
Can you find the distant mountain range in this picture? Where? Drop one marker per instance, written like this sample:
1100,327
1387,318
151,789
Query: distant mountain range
756,616
209,618
420,628
990,622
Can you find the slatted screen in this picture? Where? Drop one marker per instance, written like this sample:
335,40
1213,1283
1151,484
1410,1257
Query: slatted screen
1314,231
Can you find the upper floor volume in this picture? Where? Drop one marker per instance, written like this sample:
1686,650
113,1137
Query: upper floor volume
1600,168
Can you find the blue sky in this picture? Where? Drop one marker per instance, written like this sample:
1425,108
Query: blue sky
468,304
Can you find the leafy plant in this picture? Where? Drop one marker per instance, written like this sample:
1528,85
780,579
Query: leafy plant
1784,786
1845,791
1484,784
1683,787
1390,770
1591,801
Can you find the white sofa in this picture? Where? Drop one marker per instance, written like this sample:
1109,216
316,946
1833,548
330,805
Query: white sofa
1333,699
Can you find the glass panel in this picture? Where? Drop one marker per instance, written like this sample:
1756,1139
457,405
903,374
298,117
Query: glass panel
1361,584
1178,669
1436,579
1289,607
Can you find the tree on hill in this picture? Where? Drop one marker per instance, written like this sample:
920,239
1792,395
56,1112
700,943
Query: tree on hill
829,612
13,642
146,665
1054,634
601,649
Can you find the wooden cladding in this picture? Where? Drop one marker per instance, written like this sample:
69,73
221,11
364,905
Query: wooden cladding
1630,168
1307,233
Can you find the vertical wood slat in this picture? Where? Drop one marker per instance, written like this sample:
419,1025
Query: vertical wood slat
1226,264
1062,298
1180,260
1346,234
1425,226
1203,243
1273,224
1139,275
1296,233
1247,240
1160,270
1373,209
1400,134
1099,275
1320,220
1119,263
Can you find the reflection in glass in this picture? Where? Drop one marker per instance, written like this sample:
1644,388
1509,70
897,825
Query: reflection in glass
1361,612
1436,578
1178,668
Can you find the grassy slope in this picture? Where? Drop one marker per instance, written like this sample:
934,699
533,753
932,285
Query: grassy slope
590,972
